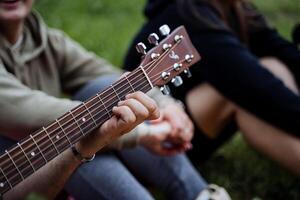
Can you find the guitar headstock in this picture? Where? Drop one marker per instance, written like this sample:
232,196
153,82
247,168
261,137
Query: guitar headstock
170,57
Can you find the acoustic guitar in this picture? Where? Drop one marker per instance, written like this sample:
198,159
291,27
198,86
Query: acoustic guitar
163,63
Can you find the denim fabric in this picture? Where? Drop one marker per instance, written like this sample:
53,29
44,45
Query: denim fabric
116,175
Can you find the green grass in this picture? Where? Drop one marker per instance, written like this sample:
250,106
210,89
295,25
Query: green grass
102,26
106,27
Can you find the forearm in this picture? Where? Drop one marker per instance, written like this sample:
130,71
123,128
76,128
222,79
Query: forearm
24,110
237,74
49,180
269,43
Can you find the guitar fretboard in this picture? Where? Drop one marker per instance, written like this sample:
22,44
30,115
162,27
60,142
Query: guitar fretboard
172,56
38,149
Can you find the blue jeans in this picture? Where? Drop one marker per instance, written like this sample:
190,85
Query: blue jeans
117,175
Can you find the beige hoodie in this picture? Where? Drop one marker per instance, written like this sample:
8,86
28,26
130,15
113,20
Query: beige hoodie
33,78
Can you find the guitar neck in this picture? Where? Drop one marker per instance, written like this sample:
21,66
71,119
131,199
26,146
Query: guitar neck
39,148
172,56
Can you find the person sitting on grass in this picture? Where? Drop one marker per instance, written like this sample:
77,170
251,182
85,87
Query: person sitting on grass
247,78
37,65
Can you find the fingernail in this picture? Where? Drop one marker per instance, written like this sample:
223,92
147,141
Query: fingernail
120,103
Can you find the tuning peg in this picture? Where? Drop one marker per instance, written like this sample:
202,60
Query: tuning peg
164,30
165,75
187,73
177,66
141,48
189,58
165,90
166,47
153,39
154,56
177,81
178,38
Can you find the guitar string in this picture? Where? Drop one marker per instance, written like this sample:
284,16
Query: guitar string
87,114
76,134
106,90
52,150
104,98
51,133
80,106
42,149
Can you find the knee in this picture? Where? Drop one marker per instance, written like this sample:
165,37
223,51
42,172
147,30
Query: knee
209,109
184,181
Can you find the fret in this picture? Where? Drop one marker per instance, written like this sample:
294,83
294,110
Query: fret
70,128
129,83
84,119
123,91
115,92
7,180
63,131
103,105
26,156
58,138
45,131
77,123
12,160
90,114
33,153
144,72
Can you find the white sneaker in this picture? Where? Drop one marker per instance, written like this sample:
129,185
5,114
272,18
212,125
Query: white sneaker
213,192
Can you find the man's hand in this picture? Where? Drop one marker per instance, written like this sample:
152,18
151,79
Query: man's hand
135,109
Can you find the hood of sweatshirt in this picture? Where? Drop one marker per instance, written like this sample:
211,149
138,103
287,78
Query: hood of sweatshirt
33,43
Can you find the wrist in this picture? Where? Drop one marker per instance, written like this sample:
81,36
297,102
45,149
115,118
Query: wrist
81,157
142,131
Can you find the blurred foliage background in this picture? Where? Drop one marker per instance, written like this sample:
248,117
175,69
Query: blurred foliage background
107,27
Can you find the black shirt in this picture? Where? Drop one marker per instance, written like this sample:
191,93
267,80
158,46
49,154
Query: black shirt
229,65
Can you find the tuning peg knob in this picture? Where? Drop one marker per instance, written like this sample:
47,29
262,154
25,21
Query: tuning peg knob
187,73
189,58
153,39
178,38
164,30
141,48
166,47
177,81
165,75
155,56
165,90
177,66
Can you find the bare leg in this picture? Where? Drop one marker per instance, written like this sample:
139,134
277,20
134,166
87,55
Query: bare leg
213,111
273,142
209,109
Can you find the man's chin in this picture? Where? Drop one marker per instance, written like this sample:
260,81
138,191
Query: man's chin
12,16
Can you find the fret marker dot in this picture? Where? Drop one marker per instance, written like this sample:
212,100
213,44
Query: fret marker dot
57,137
32,154
1,184
83,119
